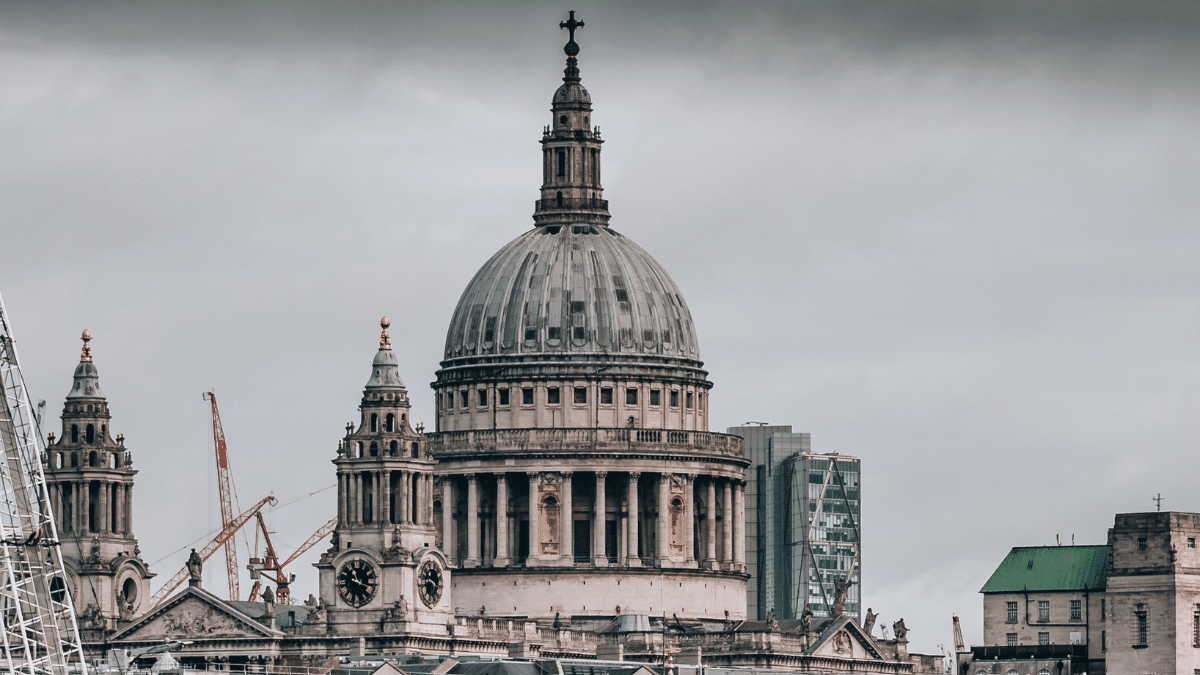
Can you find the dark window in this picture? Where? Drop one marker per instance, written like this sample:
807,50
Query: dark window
648,335
416,450
606,394
527,395
674,398
655,397
92,459
579,333
503,394
392,448
1103,640
1043,638
1012,612
450,400
74,459
554,333
483,397
576,306
689,399
1141,543
74,433
631,396
1143,628
1012,639
91,433
561,154
374,422
1103,609
374,449
391,422
1043,610
581,394
530,333
1196,629
552,395
1191,542
1076,610
489,330
463,395
622,295
562,119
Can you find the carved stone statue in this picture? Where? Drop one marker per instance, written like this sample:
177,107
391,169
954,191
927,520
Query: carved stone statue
557,622
95,552
868,624
841,588
772,623
311,601
806,619
195,566
900,629
268,596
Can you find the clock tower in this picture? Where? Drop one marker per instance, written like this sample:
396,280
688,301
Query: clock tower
384,572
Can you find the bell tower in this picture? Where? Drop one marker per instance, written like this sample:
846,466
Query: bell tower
384,566
89,474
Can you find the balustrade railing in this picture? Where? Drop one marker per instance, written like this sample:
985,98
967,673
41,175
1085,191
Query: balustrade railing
492,440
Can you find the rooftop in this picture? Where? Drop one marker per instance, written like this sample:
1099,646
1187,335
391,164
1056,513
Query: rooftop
1051,568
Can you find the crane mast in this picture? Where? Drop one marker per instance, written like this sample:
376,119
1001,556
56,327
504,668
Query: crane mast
224,486
38,627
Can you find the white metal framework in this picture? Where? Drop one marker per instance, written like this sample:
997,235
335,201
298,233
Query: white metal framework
37,619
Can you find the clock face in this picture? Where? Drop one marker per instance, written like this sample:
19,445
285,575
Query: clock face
357,582
429,583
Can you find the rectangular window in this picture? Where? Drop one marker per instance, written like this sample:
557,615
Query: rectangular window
1043,638
655,397
553,333
581,394
552,395
503,394
1012,639
689,400
1196,629
1141,543
1011,608
1103,609
450,400
1142,621
466,401
674,398
631,396
483,397
1191,542
1103,640
606,395
1043,610
1076,610
561,154
526,395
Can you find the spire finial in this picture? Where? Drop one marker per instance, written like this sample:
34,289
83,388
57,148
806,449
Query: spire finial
572,48
86,354
385,338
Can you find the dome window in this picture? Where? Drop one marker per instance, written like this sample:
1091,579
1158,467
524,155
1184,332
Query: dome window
390,422
689,400
562,119
552,395
554,333
466,402
450,400
674,398
502,396
606,397
579,333
581,394
483,398
91,433
631,396
655,397
527,396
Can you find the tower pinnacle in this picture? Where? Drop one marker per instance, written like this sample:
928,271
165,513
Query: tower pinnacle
385,338
86,354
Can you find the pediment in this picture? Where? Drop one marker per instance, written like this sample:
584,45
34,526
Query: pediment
194,614
844,639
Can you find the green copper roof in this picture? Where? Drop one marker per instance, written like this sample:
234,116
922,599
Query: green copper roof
1051,568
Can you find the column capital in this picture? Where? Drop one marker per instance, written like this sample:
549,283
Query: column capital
601,474
566,475
500,476
664,477
634,475
533,475
691,477
470,477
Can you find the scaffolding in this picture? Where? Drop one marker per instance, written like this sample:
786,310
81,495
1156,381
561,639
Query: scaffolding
37,619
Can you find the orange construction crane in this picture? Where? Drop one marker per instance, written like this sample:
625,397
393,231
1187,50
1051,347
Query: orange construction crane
225,487
223,536
270,567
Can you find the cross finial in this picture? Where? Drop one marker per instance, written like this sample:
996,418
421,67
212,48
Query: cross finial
385,338
571,24
86,354
1157,502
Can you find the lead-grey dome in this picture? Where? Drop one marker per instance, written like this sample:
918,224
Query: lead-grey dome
572,289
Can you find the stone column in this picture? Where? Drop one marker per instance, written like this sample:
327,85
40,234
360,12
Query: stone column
727,550
567,550
739,525
448,517
534,538
501,559
631,557
102,521
129,509
82,500
689,519
599,559
710,519
386,502
357,506
341,499
402,515
664,519
472,522
119,507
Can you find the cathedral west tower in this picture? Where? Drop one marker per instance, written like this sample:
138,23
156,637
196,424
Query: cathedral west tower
89,474
575,468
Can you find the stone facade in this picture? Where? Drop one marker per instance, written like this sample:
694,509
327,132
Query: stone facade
89,474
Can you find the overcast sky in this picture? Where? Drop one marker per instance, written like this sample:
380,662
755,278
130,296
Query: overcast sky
958,240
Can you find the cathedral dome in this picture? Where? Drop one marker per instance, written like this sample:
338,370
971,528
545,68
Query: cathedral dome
568,290
572,92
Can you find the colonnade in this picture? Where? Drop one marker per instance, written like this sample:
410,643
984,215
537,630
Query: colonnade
692,520
93,506
403,495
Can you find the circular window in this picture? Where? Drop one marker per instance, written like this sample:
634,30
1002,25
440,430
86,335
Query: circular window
562,120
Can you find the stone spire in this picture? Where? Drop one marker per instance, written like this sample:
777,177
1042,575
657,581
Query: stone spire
385,370
571,190
87,378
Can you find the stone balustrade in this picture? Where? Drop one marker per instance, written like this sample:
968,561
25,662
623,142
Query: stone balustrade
477,442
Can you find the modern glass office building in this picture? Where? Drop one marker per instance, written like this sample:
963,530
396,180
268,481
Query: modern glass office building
802,524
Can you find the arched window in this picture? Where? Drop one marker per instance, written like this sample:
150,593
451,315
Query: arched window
74,433
115,460
59,461
391,422
358,449
103,431
374,422
558,198
392,449
374,449
416,450
74,459
91,433
92,458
